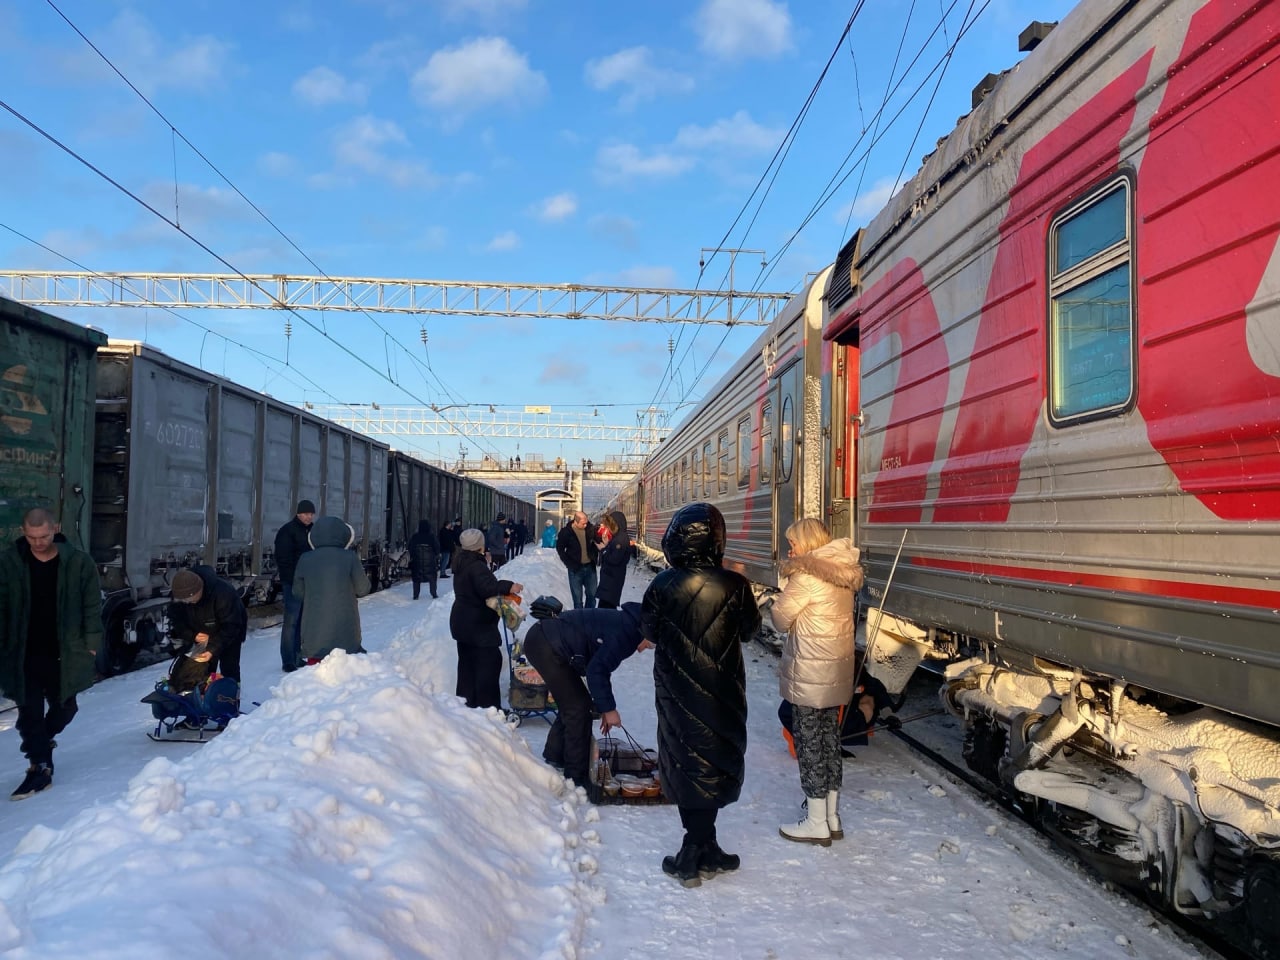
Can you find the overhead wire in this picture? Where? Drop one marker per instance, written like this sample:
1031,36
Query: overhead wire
174,131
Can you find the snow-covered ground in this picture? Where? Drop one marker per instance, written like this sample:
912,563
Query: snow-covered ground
362,812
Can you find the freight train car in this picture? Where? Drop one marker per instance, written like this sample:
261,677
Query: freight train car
1066,327
191,468
47,382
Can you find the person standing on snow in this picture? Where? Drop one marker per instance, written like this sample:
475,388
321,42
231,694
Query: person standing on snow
578,548
424,558
548,535
698,615
50,632
474,625
292,543
613,561
330,580
208,615
816,612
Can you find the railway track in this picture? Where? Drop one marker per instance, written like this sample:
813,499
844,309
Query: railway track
959,773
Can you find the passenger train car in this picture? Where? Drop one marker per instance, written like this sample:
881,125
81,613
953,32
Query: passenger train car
153,465
1050,418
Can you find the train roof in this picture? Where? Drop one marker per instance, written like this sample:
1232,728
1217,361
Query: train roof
1014,92
48,323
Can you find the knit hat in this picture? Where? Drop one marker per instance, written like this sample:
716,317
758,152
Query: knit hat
471,540
186,584
305,506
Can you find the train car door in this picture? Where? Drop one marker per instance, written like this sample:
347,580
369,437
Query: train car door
786,473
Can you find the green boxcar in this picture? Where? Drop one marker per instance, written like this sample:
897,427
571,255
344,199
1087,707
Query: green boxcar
48,376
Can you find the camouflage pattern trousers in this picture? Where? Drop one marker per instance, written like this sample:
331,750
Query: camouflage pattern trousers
816,731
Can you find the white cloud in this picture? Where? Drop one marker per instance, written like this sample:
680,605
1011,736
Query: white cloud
277,164
624,161
743,29
484,71
507,240
365,144
633,71
557,208
868,203
738,132
321,85
152,61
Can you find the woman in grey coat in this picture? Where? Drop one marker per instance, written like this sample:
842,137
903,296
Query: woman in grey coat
329,580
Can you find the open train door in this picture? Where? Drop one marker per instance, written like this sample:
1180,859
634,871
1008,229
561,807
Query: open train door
785,396
842,404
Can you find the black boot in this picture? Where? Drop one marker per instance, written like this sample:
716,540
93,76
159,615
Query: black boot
684,865
39,777
713,860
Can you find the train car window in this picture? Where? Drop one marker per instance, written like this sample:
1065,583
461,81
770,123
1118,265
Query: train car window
684,479
724,465
707,465
766,444
1091,315
786,440
744,451
695,473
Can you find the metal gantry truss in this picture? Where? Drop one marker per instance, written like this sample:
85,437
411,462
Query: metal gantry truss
484,421
461,298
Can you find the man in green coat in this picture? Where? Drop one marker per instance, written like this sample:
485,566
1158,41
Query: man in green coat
50,630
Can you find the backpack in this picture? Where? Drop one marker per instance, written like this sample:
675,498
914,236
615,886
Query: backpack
544,608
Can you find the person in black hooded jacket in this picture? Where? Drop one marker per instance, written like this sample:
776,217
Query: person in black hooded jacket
424,558
698,615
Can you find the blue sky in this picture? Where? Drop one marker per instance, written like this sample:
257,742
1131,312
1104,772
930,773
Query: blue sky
496,140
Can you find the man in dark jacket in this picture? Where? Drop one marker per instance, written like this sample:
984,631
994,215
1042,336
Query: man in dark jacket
474,625
698,616
578,547
424,552
448,543
50,630
495,541
564,649
292,543
331,580
613,561
208,610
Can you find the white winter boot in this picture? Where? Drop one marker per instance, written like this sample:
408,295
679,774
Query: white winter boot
833,815
813,828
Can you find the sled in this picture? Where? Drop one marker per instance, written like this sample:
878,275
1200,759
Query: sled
195,715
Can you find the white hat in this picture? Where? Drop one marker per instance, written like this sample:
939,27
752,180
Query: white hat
472,540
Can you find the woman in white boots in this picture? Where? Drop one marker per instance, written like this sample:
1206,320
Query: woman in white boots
816,610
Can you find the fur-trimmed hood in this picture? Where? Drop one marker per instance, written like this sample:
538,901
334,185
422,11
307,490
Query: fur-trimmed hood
835,563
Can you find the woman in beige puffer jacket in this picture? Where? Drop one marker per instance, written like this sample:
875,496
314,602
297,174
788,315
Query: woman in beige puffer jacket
816,609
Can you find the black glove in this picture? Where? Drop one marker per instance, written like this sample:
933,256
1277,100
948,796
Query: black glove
890,720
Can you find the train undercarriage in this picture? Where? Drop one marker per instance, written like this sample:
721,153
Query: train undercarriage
1176,802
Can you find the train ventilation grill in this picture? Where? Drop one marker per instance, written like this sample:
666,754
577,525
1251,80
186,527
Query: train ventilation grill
840,287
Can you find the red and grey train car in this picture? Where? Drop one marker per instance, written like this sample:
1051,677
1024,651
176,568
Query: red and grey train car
1068,334
753,447
1049,415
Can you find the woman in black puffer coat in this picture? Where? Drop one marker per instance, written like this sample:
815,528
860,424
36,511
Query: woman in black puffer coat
474,625
698,615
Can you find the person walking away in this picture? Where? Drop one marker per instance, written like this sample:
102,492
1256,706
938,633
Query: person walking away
331,580
424,558
50,632
473,625
613,561
448,541
578,550
579,644
698,615
292,543
548,535
816,612
495,541
521,534
205,609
